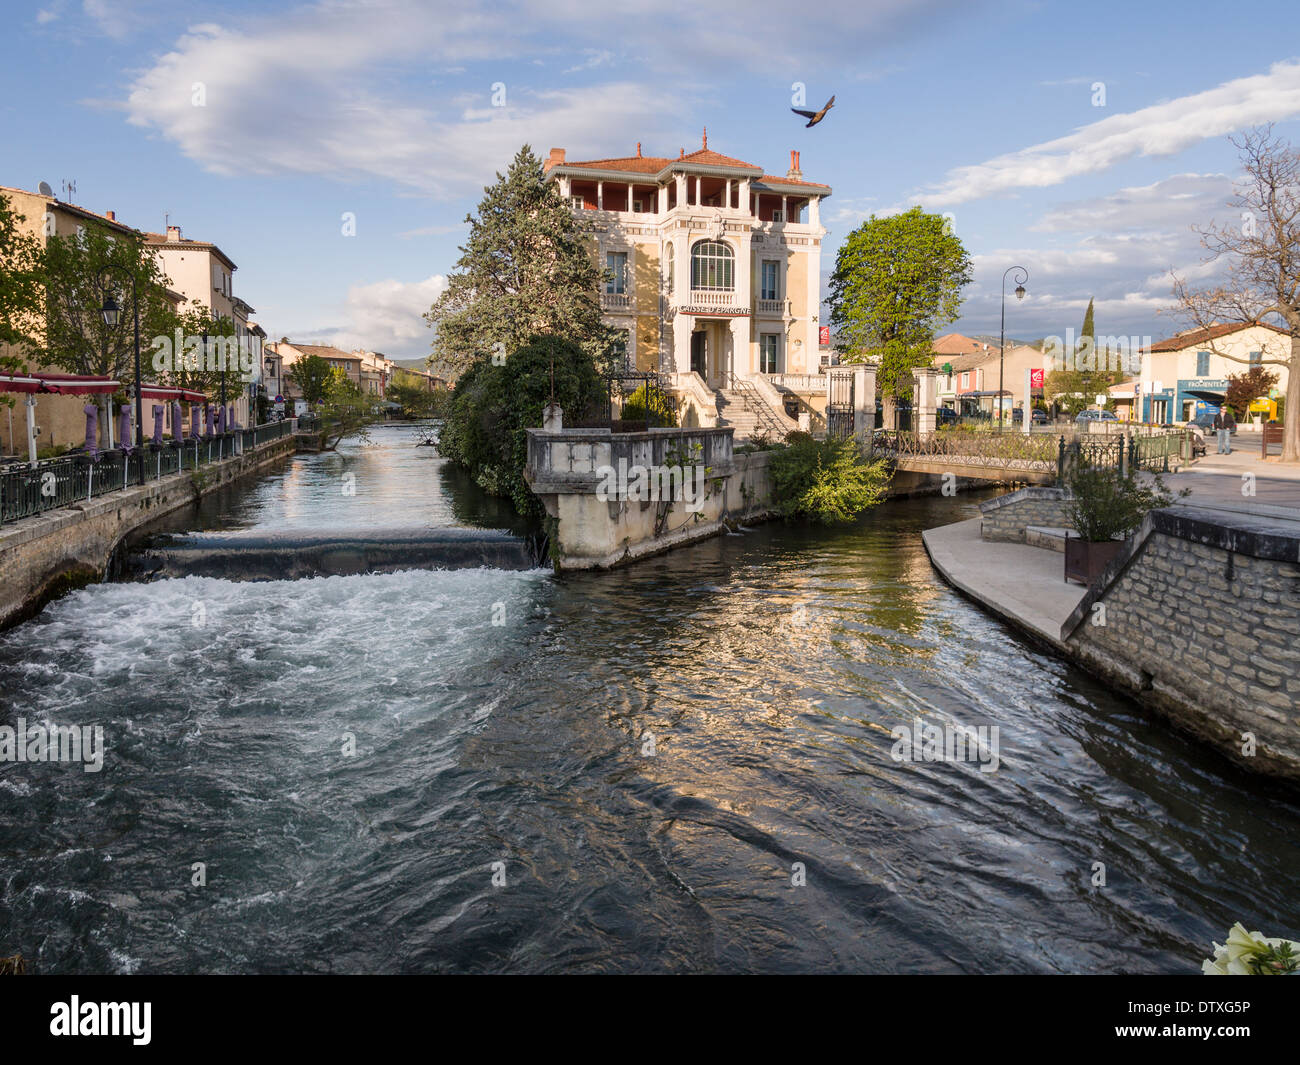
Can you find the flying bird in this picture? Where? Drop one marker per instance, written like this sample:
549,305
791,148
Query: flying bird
814,117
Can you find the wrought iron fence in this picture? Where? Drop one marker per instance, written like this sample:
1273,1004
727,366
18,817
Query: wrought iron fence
606,412
27,490
1026,451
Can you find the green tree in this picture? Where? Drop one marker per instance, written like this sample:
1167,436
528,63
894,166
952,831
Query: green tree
896,281
345,408
527,270
200,371
20,289
826,481
1088,334
75,336
494,406
1245,388
313,376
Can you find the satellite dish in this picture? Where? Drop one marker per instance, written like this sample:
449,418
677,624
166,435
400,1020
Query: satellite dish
44,189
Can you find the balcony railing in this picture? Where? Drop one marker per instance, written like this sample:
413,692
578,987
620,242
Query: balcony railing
798,382
615,301
771,306
712,298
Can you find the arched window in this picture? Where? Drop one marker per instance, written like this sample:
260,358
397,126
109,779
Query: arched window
713,266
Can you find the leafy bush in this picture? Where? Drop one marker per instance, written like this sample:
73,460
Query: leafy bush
493,407
826,481
798,436
651,406
1105,505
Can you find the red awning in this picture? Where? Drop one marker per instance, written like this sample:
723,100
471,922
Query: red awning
162,392
64,384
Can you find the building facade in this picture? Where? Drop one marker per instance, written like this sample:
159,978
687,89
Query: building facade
714,266
205,276
1188,369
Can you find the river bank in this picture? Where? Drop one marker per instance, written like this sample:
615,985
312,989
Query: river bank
645,755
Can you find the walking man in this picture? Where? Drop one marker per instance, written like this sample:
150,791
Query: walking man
1224,426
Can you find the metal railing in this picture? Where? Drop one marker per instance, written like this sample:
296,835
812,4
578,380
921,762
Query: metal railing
1008,451
27,490
766,420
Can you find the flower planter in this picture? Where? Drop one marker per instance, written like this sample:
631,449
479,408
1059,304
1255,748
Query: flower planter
1085,560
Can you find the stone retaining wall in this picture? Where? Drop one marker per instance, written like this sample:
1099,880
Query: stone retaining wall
1199,618
42,556
1006,517
590,528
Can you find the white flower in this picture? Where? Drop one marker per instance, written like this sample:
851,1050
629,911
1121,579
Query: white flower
1233,957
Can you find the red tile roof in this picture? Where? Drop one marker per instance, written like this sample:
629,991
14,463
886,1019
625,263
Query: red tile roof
1192,337
771,179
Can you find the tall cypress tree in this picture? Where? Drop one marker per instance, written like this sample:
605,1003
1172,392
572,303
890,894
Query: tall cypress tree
1088,331
527,270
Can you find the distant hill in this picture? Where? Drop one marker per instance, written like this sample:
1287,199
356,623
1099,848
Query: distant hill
411,364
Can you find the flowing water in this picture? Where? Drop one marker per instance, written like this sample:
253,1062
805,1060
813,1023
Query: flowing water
653,757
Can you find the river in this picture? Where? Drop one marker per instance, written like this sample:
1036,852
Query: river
683,766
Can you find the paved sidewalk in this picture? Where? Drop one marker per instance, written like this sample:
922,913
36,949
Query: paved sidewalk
1023,585
1217,480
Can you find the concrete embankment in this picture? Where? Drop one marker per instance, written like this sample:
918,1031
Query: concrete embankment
1197,618
45,555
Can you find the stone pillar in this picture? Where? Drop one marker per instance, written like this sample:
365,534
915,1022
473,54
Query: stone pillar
600,195
926,399
681,360
741,363
864,400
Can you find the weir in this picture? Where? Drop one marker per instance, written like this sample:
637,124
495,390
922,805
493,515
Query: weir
296,555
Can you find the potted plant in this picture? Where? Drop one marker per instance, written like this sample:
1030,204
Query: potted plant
1105,507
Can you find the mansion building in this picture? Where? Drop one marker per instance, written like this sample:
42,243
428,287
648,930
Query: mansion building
714,265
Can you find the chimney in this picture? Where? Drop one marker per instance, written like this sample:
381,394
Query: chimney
705,142
638,149
111,215
556,158
794,171
173,233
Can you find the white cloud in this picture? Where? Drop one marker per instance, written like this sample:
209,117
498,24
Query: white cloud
387,316
313,91
1177,202
1159,130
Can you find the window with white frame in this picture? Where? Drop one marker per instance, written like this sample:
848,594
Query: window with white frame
713,266
616,264
769,352
770,286
671,261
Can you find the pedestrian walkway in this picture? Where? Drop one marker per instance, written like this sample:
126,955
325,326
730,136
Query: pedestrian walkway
1219,480
1023,585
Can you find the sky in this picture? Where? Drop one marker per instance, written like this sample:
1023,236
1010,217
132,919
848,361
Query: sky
1083,142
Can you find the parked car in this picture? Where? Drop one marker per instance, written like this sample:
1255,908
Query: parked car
1084,417
945,416
1036,417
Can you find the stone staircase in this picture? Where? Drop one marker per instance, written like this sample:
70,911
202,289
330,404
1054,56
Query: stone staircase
745,411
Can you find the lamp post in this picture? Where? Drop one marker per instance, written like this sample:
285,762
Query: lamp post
112,314
1022,275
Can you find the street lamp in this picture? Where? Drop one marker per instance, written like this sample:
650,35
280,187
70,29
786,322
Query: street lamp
112,315
1022,275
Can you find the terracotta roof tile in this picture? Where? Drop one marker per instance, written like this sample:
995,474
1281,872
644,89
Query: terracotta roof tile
1193,337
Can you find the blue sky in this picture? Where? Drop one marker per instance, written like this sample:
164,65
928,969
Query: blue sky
384,109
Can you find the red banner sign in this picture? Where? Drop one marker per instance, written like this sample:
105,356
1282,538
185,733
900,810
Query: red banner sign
824,335
1036,378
